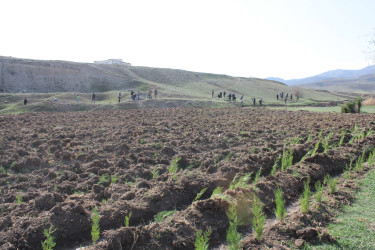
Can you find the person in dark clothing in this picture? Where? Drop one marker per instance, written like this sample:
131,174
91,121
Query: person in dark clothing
254,101
93,97
241,99
291,96
277,96
119,96
260,102
225,94
286,97
230,97
213,92
155,93
221,95
234,97
25,101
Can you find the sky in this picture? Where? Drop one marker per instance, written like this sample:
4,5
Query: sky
249,38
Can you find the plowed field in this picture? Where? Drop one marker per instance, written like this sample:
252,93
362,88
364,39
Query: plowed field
57,167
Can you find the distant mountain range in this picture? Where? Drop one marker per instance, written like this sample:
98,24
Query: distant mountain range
362,84
329,75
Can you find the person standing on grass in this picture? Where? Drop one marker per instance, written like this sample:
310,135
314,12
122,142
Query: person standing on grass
277,97
213,92
25,101
138,95
241,99
254,101
260,102
224,94
155,93
93,97
119,96
77,97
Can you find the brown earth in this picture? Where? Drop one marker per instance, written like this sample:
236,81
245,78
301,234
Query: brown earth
55,165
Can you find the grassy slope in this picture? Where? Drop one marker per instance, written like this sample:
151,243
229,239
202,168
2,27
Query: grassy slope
193,85
172,85
354,228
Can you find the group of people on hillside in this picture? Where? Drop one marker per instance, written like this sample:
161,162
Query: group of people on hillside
222,95
232,97
137,96
281,96
133,96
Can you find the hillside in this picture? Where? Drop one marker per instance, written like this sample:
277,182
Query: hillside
61,79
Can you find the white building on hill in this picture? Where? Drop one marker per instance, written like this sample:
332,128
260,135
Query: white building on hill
113,61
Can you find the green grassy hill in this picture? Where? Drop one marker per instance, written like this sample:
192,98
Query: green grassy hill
175,87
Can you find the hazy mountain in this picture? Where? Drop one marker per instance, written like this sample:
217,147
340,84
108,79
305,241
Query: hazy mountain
338,73
361,84
277,79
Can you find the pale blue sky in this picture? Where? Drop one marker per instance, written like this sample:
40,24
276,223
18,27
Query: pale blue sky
259,38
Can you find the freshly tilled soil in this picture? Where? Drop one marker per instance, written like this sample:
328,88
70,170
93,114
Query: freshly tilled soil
56,167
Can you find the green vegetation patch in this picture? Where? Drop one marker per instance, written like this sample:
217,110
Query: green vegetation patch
355,227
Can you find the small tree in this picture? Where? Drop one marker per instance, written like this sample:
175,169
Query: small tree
280,204
352,107
298,93
259,219
359,104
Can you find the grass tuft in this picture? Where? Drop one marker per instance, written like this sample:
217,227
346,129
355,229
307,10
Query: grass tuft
240,182
275,165
127,219
161,216
319,191
200,194
286,159
95,230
